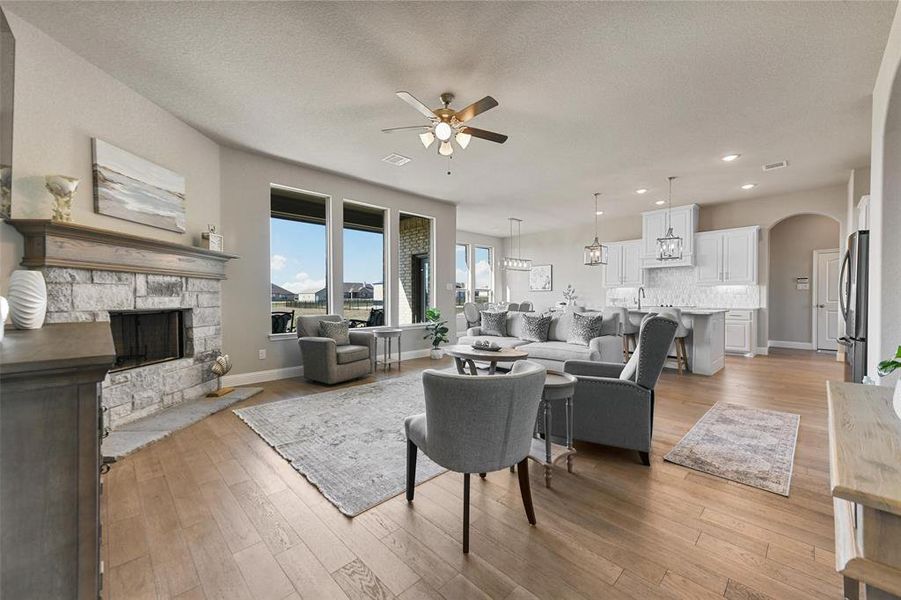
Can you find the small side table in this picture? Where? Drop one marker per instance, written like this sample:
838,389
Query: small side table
557,386
386,335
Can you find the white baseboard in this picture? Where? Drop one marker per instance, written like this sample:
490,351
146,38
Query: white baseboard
793,345
409,354
763,350
261,376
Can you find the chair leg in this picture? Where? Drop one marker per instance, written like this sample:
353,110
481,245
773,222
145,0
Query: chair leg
645,458
684,353
466,513
625,348
482,475
525,490
411,469
679,357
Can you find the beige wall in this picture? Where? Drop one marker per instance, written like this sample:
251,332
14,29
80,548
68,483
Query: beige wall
792,243
246,180
61,102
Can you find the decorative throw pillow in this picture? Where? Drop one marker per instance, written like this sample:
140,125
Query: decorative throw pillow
535,327
337,330
494,323
585,327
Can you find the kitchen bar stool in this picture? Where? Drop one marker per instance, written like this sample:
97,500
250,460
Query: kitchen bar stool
629,331
681,333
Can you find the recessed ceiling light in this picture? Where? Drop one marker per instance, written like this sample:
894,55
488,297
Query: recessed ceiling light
660,202
749,186
600,212
731,157
641,191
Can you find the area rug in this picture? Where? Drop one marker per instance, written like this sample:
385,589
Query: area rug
752,446
349,443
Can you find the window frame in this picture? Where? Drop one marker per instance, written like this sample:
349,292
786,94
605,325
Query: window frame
491,283
467,285
432,255
386,256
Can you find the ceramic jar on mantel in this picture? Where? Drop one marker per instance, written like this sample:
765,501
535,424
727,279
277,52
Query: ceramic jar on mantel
27,299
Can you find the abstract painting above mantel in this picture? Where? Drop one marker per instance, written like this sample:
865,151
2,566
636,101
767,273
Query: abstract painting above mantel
132,188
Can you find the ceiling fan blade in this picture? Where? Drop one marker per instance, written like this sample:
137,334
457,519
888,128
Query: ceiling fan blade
476,108
412,101
393,129
491,136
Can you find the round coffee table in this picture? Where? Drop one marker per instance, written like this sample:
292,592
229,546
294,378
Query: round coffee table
465,355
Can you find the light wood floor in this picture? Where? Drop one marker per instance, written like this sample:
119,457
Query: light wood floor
213,512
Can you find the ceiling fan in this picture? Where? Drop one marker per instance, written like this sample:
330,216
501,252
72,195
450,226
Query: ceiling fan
446,123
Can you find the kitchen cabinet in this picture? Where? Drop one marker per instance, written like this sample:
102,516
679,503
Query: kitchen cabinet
684,221
727,256
624,264
741,332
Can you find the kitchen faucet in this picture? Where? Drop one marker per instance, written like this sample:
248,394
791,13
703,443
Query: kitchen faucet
639,296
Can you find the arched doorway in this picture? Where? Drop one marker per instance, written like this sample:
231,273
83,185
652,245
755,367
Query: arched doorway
802,275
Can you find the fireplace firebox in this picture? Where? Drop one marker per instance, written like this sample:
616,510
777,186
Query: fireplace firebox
144,337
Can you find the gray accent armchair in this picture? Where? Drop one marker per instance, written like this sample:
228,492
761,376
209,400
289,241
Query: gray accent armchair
614,404
326,362
477,425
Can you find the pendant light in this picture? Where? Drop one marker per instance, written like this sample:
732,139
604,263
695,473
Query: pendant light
595,252
516,263
669,247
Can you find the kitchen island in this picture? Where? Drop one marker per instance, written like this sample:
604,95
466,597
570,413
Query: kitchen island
706,341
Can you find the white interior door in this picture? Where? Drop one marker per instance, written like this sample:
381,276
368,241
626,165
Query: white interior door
826,299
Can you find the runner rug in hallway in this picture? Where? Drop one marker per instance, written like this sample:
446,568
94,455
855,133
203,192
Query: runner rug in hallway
752,446
349,443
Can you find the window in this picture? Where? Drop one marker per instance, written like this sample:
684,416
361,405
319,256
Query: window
462,285
298,257
364,265
484,274
414,261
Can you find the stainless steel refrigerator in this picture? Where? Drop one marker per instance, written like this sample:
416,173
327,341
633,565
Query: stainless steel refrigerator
853,303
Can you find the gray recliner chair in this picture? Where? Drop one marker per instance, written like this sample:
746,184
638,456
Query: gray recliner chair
614,404
477,425
326,362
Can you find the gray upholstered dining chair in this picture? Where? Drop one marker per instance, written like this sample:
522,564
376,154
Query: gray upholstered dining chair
325,361
682,332
477,425
614,404
471,314
526,306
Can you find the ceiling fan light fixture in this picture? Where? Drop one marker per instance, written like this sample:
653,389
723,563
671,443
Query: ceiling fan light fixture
463,139
443,131
445,149
427,138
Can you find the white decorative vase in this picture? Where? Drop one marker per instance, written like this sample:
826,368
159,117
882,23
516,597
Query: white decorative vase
436,353
4,312
896,399
27,299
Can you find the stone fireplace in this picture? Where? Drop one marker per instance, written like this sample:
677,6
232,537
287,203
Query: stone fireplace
163,301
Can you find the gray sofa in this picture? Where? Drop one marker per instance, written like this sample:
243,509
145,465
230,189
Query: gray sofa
326,362
556,351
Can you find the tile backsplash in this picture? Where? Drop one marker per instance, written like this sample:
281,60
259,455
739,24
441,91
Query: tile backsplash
677,286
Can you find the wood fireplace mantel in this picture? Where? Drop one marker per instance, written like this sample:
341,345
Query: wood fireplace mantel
67,245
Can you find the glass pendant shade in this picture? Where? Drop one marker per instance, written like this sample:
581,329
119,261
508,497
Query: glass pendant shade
427,138
516,263
446,149
443,131
669,247
595,252
463,139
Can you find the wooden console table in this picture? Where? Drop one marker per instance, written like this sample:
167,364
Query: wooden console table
50,460
865,477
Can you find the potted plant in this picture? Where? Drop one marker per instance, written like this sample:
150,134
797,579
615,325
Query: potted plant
436,331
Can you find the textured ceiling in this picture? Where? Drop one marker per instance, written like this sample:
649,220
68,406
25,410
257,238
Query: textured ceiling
603,97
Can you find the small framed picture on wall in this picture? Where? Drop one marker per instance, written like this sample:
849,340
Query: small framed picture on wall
541,278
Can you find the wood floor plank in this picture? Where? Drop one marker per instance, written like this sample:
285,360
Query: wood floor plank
307,574
324,544
269,523
262,573
216,567
132,580
128,540
360,583
460,588
236,528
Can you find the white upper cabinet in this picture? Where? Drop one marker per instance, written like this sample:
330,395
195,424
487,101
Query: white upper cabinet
728,256
623,264
684,220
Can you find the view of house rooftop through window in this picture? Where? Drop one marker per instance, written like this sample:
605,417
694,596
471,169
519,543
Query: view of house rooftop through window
364,265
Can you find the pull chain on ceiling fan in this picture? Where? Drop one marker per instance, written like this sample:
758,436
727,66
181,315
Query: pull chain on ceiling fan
447,124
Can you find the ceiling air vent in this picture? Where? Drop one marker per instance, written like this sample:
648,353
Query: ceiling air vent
776,165
396,159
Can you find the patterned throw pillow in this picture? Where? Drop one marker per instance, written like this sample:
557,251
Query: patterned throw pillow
494,323
585,327
337,330
535,327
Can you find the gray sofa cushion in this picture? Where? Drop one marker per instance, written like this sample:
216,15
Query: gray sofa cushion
561,323
349,353
503,342
494,323
584,328
535,327
336,331
557,351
